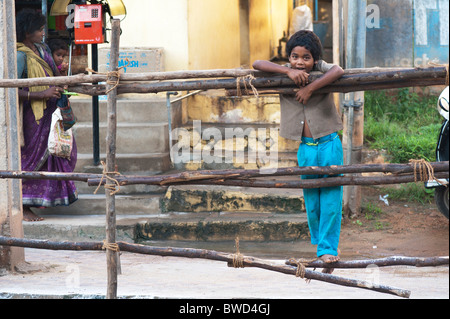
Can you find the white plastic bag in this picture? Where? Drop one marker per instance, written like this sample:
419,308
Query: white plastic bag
60,142
301,20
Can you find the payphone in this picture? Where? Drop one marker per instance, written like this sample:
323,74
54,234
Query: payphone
89,24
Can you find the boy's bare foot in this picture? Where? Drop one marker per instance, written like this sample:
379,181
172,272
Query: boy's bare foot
329,259
29,216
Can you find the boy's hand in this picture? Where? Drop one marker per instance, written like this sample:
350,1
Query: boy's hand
301,78
303,94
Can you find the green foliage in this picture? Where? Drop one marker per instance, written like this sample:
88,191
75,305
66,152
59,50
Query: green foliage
372,214
405,124
411,192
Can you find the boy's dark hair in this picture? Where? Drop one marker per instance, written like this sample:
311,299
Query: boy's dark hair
57,44
28,21
307,39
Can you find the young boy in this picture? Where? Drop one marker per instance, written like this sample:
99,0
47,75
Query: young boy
60,51
313,120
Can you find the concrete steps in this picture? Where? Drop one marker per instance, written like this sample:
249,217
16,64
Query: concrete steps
193,198
203,227
94,204
181,213
142,134
137,138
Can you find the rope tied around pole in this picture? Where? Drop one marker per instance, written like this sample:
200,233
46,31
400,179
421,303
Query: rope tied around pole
110,246
424,172
114,188
301,268
111,74
238,258
248,78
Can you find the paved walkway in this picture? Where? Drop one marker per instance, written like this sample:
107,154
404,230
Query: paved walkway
61,274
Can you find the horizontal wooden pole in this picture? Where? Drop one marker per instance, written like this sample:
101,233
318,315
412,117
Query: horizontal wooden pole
158,76
380,262
204,254
319,182
237,175
80,177
351,82
342,88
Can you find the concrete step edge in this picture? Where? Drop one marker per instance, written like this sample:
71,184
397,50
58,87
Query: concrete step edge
205,227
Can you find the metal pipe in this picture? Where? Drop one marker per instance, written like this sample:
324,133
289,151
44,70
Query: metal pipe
95,113
169,117
186,96
44,9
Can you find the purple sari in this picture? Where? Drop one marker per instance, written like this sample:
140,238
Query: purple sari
35,157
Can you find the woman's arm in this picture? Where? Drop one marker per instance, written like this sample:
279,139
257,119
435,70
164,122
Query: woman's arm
301,78
52,92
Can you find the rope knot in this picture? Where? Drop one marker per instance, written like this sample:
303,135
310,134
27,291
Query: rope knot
301,268
110,75
110,246
248,78
238,258
115,187
424,172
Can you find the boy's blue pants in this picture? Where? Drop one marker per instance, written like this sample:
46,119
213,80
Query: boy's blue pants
323,205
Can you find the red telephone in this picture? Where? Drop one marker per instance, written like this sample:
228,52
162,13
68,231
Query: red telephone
89,24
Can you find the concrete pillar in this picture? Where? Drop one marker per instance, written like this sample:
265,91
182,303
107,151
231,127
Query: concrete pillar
11,214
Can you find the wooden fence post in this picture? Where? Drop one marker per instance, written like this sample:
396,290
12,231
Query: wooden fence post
111,251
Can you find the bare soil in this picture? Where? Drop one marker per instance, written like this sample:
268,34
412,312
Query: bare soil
402,228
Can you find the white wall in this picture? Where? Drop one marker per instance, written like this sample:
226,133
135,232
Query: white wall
157,23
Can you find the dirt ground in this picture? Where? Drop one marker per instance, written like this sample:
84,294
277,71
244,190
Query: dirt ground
402,228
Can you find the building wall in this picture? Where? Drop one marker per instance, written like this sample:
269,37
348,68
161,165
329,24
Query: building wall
268,19
213,33
156,23
206,34
407,33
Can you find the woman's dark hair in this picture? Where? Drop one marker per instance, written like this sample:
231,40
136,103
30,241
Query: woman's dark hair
58,44
27,22
307,39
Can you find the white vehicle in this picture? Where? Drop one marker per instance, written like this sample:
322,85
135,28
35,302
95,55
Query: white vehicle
441,194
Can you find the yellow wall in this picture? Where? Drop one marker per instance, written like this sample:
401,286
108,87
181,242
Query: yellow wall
214,40
268,19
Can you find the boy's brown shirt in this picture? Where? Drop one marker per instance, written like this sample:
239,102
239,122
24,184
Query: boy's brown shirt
320,112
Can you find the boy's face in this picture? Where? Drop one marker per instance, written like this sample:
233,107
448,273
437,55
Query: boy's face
302,59
59,56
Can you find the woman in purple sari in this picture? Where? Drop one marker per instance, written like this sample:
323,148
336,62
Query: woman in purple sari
38,104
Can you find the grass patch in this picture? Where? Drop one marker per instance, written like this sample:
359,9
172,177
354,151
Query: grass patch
372,214
411,192
404,124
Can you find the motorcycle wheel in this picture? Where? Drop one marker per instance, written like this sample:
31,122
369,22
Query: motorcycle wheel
441,197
